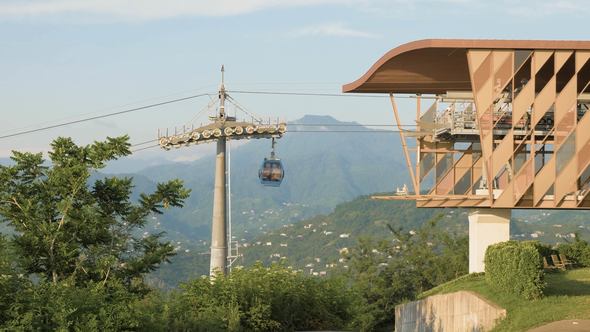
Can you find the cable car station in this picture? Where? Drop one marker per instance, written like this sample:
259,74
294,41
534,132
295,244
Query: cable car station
499,124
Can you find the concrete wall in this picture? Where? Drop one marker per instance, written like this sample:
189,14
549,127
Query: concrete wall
460,311
486,227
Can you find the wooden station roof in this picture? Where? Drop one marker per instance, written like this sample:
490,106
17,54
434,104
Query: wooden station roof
435,66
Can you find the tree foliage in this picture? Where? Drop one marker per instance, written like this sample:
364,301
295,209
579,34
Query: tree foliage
577,251
258,298
516,267
388,272
67,229
77,258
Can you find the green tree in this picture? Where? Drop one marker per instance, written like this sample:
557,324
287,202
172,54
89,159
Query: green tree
11,280
388,272
69,229
260,298
578,251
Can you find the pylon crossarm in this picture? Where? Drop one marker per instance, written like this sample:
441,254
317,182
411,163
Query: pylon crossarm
229,129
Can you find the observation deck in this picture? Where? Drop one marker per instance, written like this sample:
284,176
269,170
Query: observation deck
505,124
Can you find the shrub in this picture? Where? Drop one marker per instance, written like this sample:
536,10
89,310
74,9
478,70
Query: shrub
64,306
260,299
387,273
578,252
515,267
546,250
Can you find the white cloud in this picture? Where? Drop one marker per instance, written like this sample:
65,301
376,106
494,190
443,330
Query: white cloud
186,158
148,9
542,8
333,30
141,10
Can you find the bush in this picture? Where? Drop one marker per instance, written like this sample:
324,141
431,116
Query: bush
387,273
63,306
515,267
260,299
546,250
578,252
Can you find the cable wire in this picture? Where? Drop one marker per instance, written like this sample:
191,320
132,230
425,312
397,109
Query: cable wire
170,95
243,109
104,115
204,109
346,125
144,143
345,131
317,94
145,148
289,131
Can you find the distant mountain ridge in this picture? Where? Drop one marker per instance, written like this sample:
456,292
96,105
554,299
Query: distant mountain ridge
323,168
315,245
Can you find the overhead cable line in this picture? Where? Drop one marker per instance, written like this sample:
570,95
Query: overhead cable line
203,110
104,115
345,131
170,95
346,125
290,131
319,94
243,109
144,143
145,148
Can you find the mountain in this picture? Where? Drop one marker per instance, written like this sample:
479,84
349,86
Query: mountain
317,242
322,237
314,244
323,168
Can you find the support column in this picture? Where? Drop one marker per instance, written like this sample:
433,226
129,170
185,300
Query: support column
218,226
486,226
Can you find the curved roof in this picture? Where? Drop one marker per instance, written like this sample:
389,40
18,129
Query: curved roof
435,66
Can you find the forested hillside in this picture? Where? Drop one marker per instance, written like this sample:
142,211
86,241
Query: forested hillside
322,170
82,252
317,244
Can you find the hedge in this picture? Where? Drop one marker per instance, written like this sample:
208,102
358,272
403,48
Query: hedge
516,267
577,251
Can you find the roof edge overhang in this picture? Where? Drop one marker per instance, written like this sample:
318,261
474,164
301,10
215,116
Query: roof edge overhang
357,85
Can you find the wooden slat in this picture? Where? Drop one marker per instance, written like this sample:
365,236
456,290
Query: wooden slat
566,99
502,153
539,59
565,182
543,101
476,58
543,181
523,101
560,58
581,59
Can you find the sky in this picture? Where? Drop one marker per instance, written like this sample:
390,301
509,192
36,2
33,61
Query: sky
63,60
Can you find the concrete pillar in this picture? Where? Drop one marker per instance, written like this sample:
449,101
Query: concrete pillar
486,226
219,226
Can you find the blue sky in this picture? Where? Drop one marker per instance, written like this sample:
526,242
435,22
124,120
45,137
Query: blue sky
67,59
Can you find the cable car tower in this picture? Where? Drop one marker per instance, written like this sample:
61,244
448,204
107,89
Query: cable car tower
221,129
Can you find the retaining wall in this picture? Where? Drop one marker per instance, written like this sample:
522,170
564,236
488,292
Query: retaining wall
460,311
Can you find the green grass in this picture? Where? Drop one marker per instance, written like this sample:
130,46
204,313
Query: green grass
567,296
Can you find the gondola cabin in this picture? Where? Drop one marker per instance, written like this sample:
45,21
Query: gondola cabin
271,172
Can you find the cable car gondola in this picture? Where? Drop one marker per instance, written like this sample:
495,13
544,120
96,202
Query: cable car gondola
271,172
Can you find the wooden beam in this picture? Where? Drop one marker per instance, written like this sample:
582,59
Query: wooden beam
404,146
